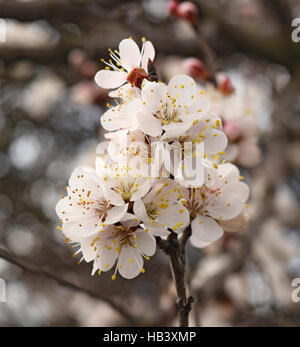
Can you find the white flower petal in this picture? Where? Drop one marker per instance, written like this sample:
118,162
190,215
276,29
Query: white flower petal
129,54
175,216
176,129
145,242
140,211
198,243
127,91
113,197
114,119
225,206
228,172
215,141
149,53
115,214
107,258
110,79
205,229
130,262
154,95
80,229
87,250
142,190
237,188
149,124
183,88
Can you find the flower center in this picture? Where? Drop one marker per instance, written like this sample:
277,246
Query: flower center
124,235
151,211
136,76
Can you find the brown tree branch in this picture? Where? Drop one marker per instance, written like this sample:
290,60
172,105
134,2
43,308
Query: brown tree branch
175,250
40,270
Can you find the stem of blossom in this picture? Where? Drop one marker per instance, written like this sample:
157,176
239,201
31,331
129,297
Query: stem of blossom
176,252
209,56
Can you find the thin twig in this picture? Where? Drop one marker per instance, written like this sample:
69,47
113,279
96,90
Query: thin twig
175,250
39,270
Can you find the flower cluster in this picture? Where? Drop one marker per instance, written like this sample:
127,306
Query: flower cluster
158,172
239,122
234,106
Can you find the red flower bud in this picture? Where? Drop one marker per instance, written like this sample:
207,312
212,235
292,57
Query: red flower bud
225,86
195,68
188,11
172,7
232,131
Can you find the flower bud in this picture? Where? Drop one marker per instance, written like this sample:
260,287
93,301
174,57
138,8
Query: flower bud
188,11
172,7
232,131
225,86
77,57
195,68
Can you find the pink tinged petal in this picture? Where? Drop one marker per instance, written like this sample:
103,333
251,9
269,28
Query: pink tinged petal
215,141
107,258
183,87
238,223
145,242
225,206
149,53
239,189
113,197
130,262
149,124
110,79
205,229
115,214
129,54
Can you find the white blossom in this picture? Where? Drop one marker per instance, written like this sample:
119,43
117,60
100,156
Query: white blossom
125,245
128,64
222,197
89,205
160,209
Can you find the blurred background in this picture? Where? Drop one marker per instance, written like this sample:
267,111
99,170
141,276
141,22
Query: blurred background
50,109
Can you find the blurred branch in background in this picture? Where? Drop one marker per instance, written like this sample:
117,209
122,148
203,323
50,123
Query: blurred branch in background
52,275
